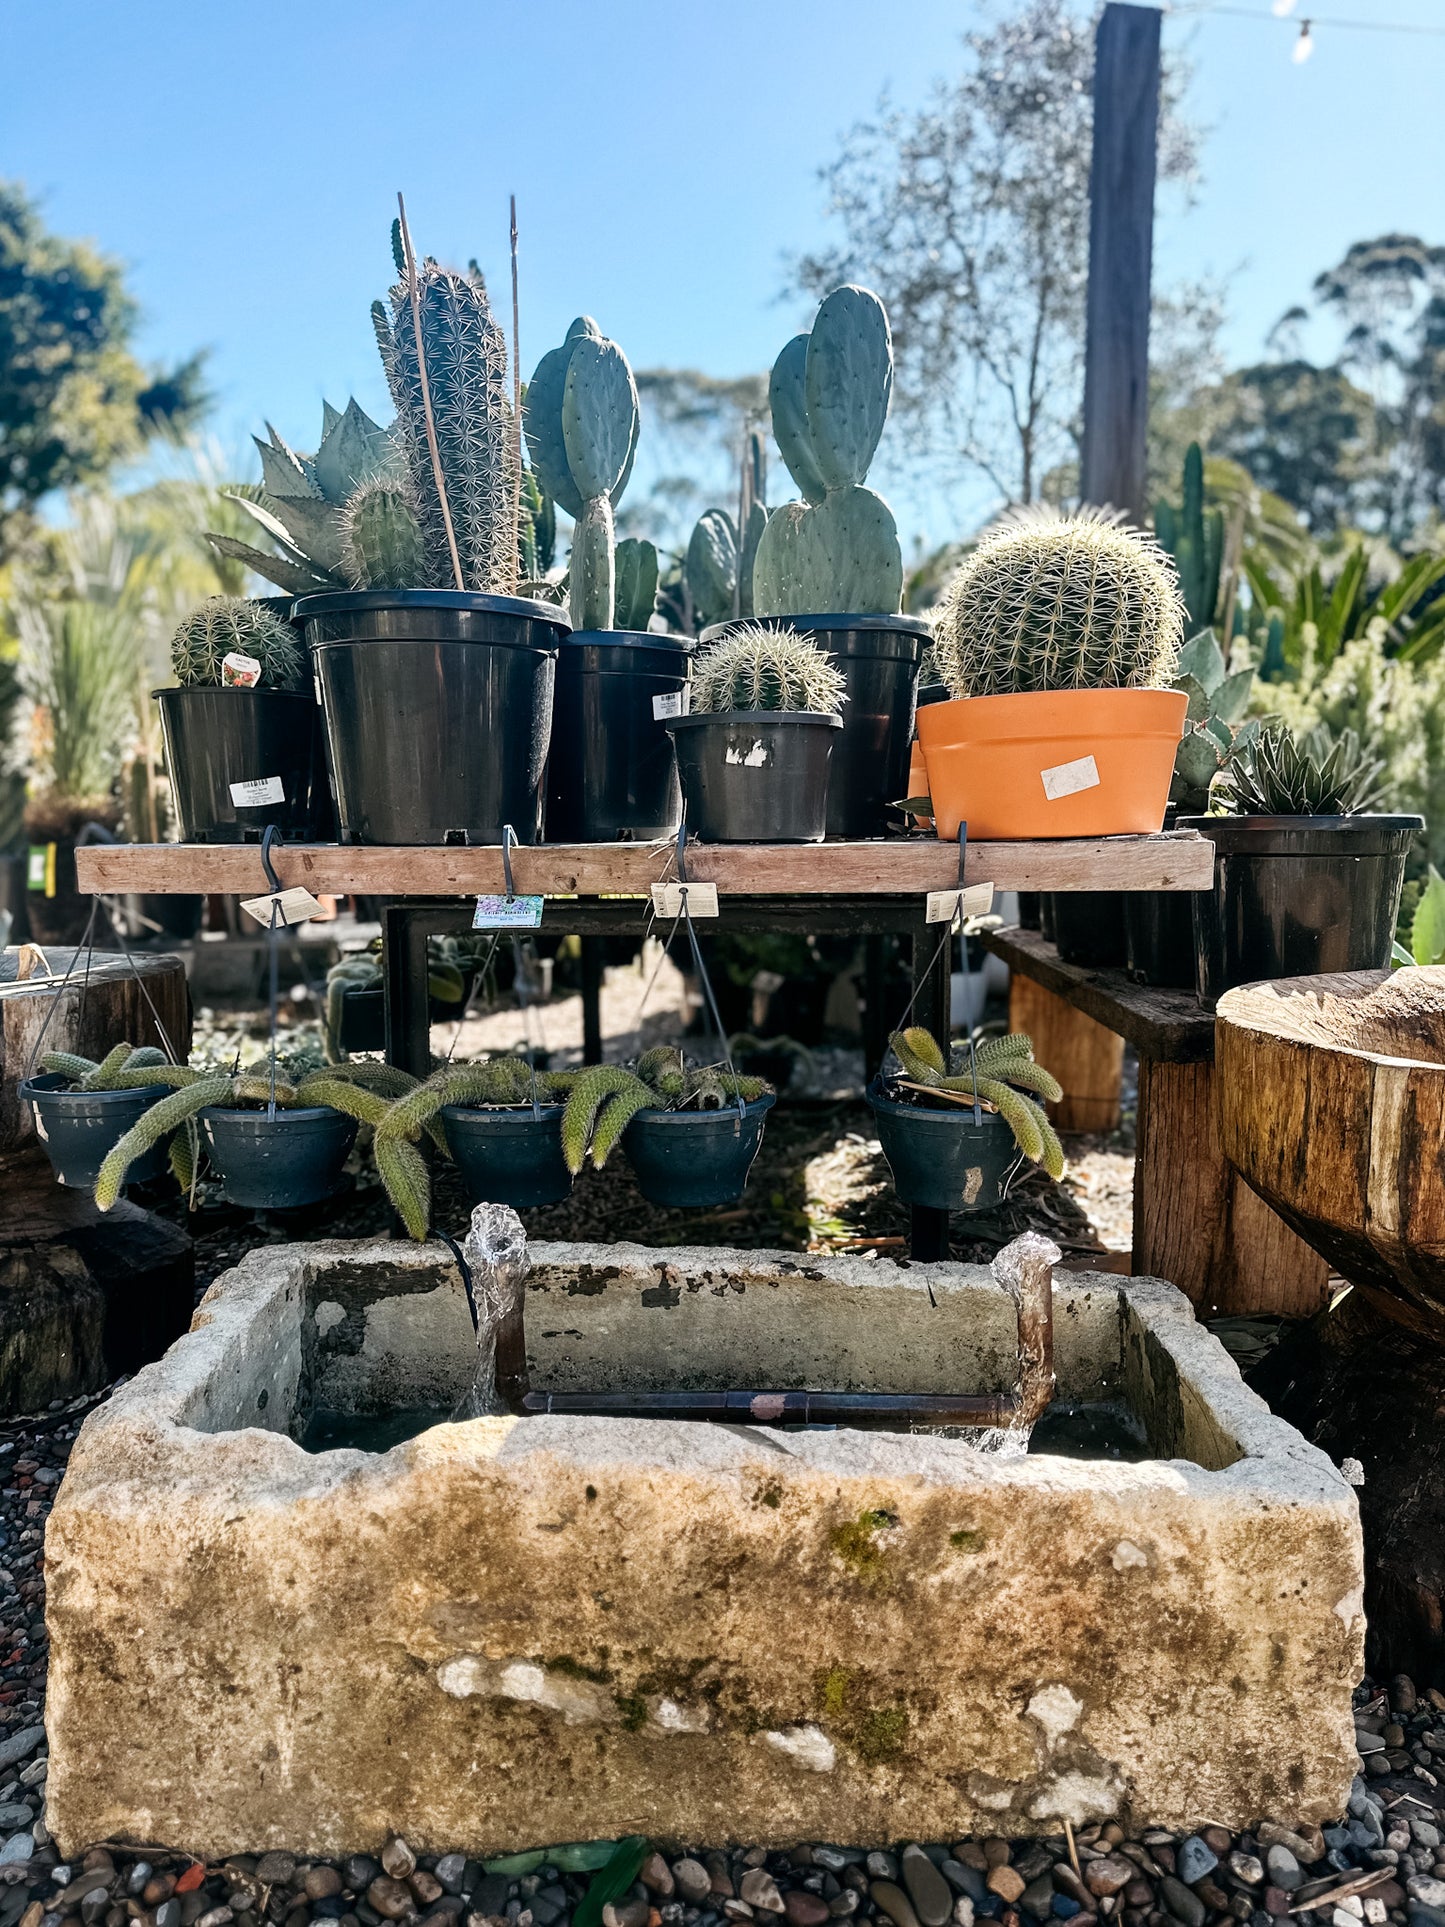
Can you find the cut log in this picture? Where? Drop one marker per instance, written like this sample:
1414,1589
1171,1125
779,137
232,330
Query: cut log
1086,1059
1332,1106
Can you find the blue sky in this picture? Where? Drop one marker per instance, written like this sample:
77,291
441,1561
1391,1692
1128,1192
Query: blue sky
243,162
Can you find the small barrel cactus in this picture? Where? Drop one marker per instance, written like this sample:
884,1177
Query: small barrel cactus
230,625
382,546
755,667
1050,601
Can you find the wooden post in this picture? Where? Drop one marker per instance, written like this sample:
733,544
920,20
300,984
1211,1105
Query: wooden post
1121,234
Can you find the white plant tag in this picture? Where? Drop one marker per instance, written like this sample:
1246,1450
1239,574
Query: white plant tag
667,899
1067,779
239,672
677,702
261,789
507,913
945,905
294,906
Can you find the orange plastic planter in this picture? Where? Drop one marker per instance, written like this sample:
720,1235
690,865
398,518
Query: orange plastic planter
1067,762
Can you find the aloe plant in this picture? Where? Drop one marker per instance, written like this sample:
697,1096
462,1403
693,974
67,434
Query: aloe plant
1003,1073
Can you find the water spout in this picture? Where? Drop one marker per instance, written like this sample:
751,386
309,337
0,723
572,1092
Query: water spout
495,1251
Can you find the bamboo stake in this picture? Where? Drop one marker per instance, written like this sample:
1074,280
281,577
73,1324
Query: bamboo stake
516,381
426,408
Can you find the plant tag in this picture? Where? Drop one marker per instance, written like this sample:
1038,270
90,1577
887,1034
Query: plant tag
755,758
239,672
678,702
294,906
945,905
1067,779
701,898
260,789
507,913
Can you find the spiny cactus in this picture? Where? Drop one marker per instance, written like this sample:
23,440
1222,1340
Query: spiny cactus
230,625
1214,734
381,539
756,667
1194,536
582,421
604,1099
829,390
1060,602
1318,774
1004,1068
636,577
466,374
537,530
118,1070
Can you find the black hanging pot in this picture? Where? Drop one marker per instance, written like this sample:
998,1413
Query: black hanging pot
1297,896
611,772
438,710
879,657
1089,927
79,1128
940,1158
278,1163
688,1159
756,775
242,758
508,1156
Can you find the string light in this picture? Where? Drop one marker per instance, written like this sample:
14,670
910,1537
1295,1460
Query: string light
1282,7
1304,46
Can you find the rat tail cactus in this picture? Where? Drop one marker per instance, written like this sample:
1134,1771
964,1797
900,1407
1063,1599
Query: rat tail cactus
382,546
1003,1073
1049,601
231,626
756,667
838,550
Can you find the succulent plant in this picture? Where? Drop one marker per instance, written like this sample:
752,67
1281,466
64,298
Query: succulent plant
465,356
537,528
838,550
636,576
116,1071
710,568
1319,774
756,667
1194,536
604,1098
230,625
1049,601
381,538
582,421
1214,732
1002,1072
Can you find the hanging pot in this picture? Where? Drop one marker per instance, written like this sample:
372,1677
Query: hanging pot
79,1128
1071,762
611,772
278,1163
688,1159
438,710
240,759
756,775
940,1158
1089,927
508,1156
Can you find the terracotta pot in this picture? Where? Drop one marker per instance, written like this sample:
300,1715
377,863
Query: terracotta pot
1067,762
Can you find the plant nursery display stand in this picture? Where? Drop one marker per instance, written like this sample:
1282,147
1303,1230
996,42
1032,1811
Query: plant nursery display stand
604,889
1196,1221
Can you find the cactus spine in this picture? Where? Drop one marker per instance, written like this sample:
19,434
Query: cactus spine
230,625
1194,536
755,667
381,538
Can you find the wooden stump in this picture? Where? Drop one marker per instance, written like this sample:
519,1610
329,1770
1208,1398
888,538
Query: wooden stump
1086,1059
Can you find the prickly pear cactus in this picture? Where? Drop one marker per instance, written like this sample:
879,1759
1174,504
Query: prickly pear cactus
382,546
231,625
636,577
711,567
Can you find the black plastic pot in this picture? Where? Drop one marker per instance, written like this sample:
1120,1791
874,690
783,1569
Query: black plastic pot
271,739
756,775
78,1128
687,1159
879,657
1297,896
940,1158
13,893
508,1156
1030,908
363,1015
438,711
278,1163
1159,932
1089,927
611,773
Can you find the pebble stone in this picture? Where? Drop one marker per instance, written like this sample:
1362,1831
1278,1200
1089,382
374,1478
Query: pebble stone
927,1888
891,1900
693,1881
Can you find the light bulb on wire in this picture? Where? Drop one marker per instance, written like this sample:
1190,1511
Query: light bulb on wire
1282,7
1304,46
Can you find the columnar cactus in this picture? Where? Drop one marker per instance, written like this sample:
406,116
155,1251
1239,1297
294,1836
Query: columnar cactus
582,420
382,546
230,625
755,667
838,551
1194,536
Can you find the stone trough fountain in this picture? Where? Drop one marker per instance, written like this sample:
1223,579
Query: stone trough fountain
506,1631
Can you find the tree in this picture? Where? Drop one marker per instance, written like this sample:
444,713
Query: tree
970,218
1302,432
73,398
696,427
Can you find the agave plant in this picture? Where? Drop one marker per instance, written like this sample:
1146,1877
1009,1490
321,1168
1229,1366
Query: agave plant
1318,774
1003,1073
604,1098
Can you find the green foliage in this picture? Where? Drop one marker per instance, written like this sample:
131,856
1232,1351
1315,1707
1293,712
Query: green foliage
1427,926
1194,536
1060,602
1002,1072
381,538
757,667
1314,775
224,625
1214,731
1310,617
613,1881
12,759
604,1098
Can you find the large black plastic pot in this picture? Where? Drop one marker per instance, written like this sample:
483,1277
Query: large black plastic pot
78,1128
278,1163
879,657
611,773
940,1158
1159,932
756,775
1297,896
508,1156
438,711
688,1159
242,758
1089,927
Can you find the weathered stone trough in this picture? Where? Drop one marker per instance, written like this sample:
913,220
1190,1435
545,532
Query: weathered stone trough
509,1632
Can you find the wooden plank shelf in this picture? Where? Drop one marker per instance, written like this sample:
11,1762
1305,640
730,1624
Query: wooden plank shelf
905,866
1164,1026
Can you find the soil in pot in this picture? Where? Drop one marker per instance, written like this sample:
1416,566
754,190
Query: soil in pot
240,759
1089,927
756,775
611,772
278,1163
438,710
78,1128
940,1158
690,1159
508,1156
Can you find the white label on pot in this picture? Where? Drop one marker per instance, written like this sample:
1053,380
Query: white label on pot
755,758
291,906
1067,779
668,899
507,913
261,789
945,905
677,703
239,672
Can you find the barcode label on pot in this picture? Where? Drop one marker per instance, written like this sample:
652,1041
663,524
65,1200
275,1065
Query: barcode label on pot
1067,779
701,899
261,789
677,703
945,905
